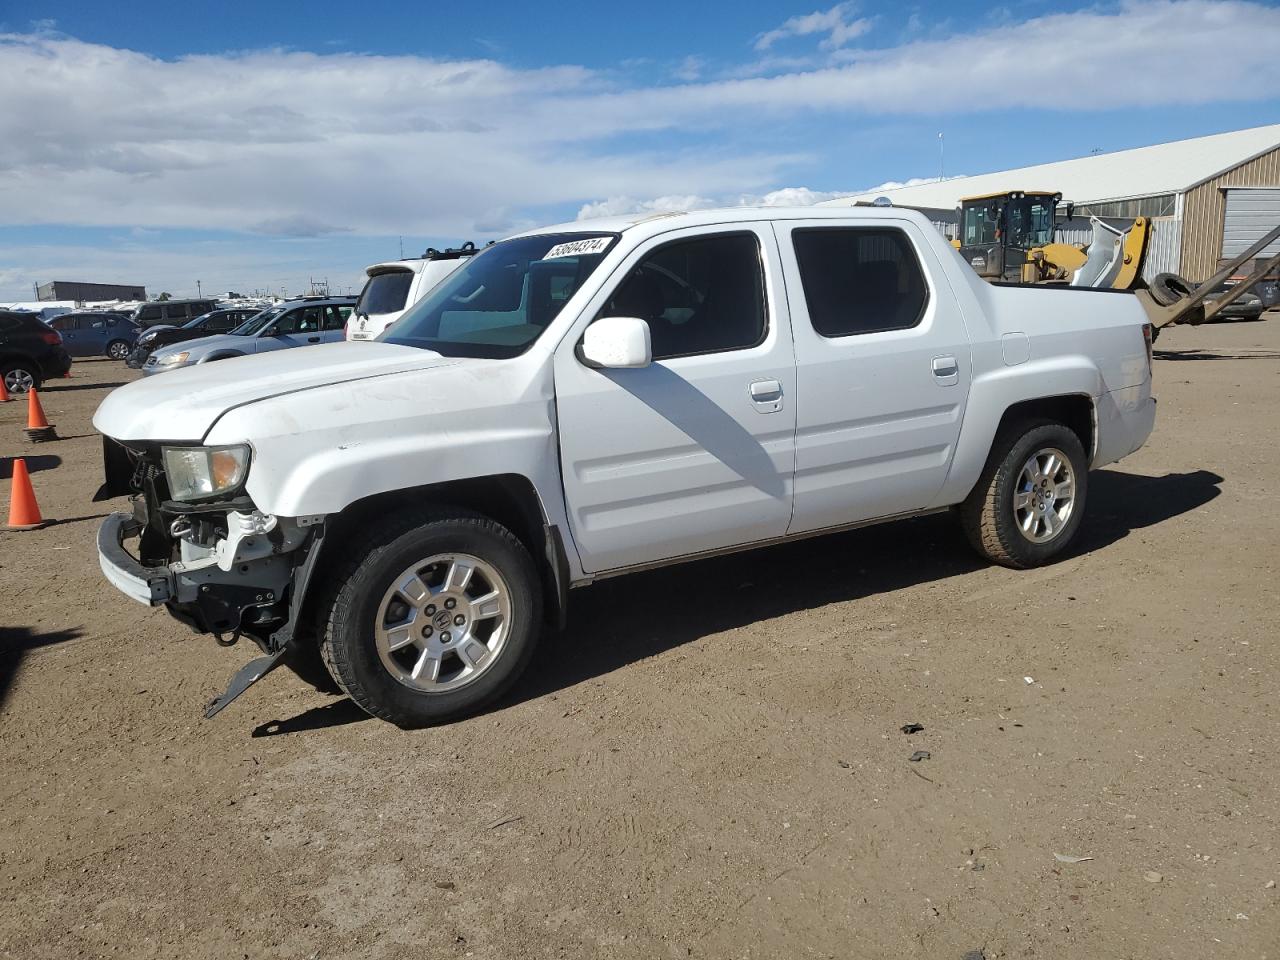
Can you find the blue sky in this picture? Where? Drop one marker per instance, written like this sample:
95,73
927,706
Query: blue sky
259,145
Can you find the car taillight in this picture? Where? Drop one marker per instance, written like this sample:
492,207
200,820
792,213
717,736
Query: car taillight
1146,335
52,337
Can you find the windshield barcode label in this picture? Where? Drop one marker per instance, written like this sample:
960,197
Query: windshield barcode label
578,248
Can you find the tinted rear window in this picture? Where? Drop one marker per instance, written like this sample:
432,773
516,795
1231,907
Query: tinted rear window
859,280
385,292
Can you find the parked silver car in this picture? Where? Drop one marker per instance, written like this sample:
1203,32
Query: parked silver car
296,323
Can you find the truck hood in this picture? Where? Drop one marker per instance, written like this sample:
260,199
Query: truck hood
183,405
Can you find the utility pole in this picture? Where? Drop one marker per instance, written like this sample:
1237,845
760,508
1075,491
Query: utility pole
402,248
199,292
942,166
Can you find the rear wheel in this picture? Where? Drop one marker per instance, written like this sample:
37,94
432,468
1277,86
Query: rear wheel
20,376
432,617
118,350
1029,501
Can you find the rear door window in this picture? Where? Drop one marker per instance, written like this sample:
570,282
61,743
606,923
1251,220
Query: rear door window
859,280
336,316
148,314
385,292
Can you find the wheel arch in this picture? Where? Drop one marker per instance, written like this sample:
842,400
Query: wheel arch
1064,389
1076,411
510,499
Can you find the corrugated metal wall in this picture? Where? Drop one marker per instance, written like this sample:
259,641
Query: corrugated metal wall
1204,208
1251,213
1164,247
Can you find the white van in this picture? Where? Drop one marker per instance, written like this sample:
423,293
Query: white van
392,288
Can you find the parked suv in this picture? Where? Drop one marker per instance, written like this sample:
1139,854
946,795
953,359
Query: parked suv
394,287
30,351
296,323
93,334
601,397
176,312
206,325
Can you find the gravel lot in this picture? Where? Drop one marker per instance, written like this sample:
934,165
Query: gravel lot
708,763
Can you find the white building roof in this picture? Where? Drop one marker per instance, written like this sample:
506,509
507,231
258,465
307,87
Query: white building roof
1123,175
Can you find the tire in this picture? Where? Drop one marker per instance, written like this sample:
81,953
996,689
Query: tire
1006,501
20,376
118,350
393,589
1168,288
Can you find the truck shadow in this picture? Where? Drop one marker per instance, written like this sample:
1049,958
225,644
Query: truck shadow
616,622
15,642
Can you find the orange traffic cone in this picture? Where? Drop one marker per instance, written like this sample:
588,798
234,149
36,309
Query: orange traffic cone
24,512
38,428
4,392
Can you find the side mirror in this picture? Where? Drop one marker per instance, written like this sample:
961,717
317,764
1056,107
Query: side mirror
617,343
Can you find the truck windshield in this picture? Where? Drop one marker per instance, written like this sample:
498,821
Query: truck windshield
1031,222
502,300
256,322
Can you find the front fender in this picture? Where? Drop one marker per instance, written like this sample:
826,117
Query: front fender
993,393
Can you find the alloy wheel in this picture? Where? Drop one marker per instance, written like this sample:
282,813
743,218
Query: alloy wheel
19,380
1045,495
443,622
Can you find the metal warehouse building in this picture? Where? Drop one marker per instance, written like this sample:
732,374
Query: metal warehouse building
1210,197
71,290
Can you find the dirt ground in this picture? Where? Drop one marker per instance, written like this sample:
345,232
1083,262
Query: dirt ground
708,762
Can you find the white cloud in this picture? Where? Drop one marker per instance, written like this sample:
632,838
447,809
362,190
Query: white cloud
620,206
689,69
784,197
303,143
835,23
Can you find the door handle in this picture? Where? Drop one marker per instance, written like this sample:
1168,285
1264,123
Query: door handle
946,370
313,339
766,395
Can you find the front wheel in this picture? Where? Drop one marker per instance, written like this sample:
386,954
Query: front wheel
433,616
1029,501
118,350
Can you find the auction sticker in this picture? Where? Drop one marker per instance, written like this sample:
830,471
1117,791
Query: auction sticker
578,248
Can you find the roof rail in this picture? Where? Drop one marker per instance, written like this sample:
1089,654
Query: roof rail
451,253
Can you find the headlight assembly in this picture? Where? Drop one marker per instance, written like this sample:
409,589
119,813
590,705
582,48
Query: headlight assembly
197,473
171,359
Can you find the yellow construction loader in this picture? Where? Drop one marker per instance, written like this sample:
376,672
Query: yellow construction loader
1009,237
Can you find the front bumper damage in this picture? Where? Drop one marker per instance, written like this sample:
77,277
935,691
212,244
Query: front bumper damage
247,581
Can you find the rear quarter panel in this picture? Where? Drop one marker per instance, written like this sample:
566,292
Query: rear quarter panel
1036,342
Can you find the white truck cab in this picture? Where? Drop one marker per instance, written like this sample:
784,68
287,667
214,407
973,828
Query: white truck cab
393,287
600,397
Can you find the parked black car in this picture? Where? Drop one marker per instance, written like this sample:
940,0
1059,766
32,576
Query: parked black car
176,312
31,351
205,325
1247,306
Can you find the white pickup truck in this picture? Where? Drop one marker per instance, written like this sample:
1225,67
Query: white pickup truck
596,398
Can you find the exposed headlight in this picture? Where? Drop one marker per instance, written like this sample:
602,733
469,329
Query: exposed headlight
146,338
196,473
172,358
